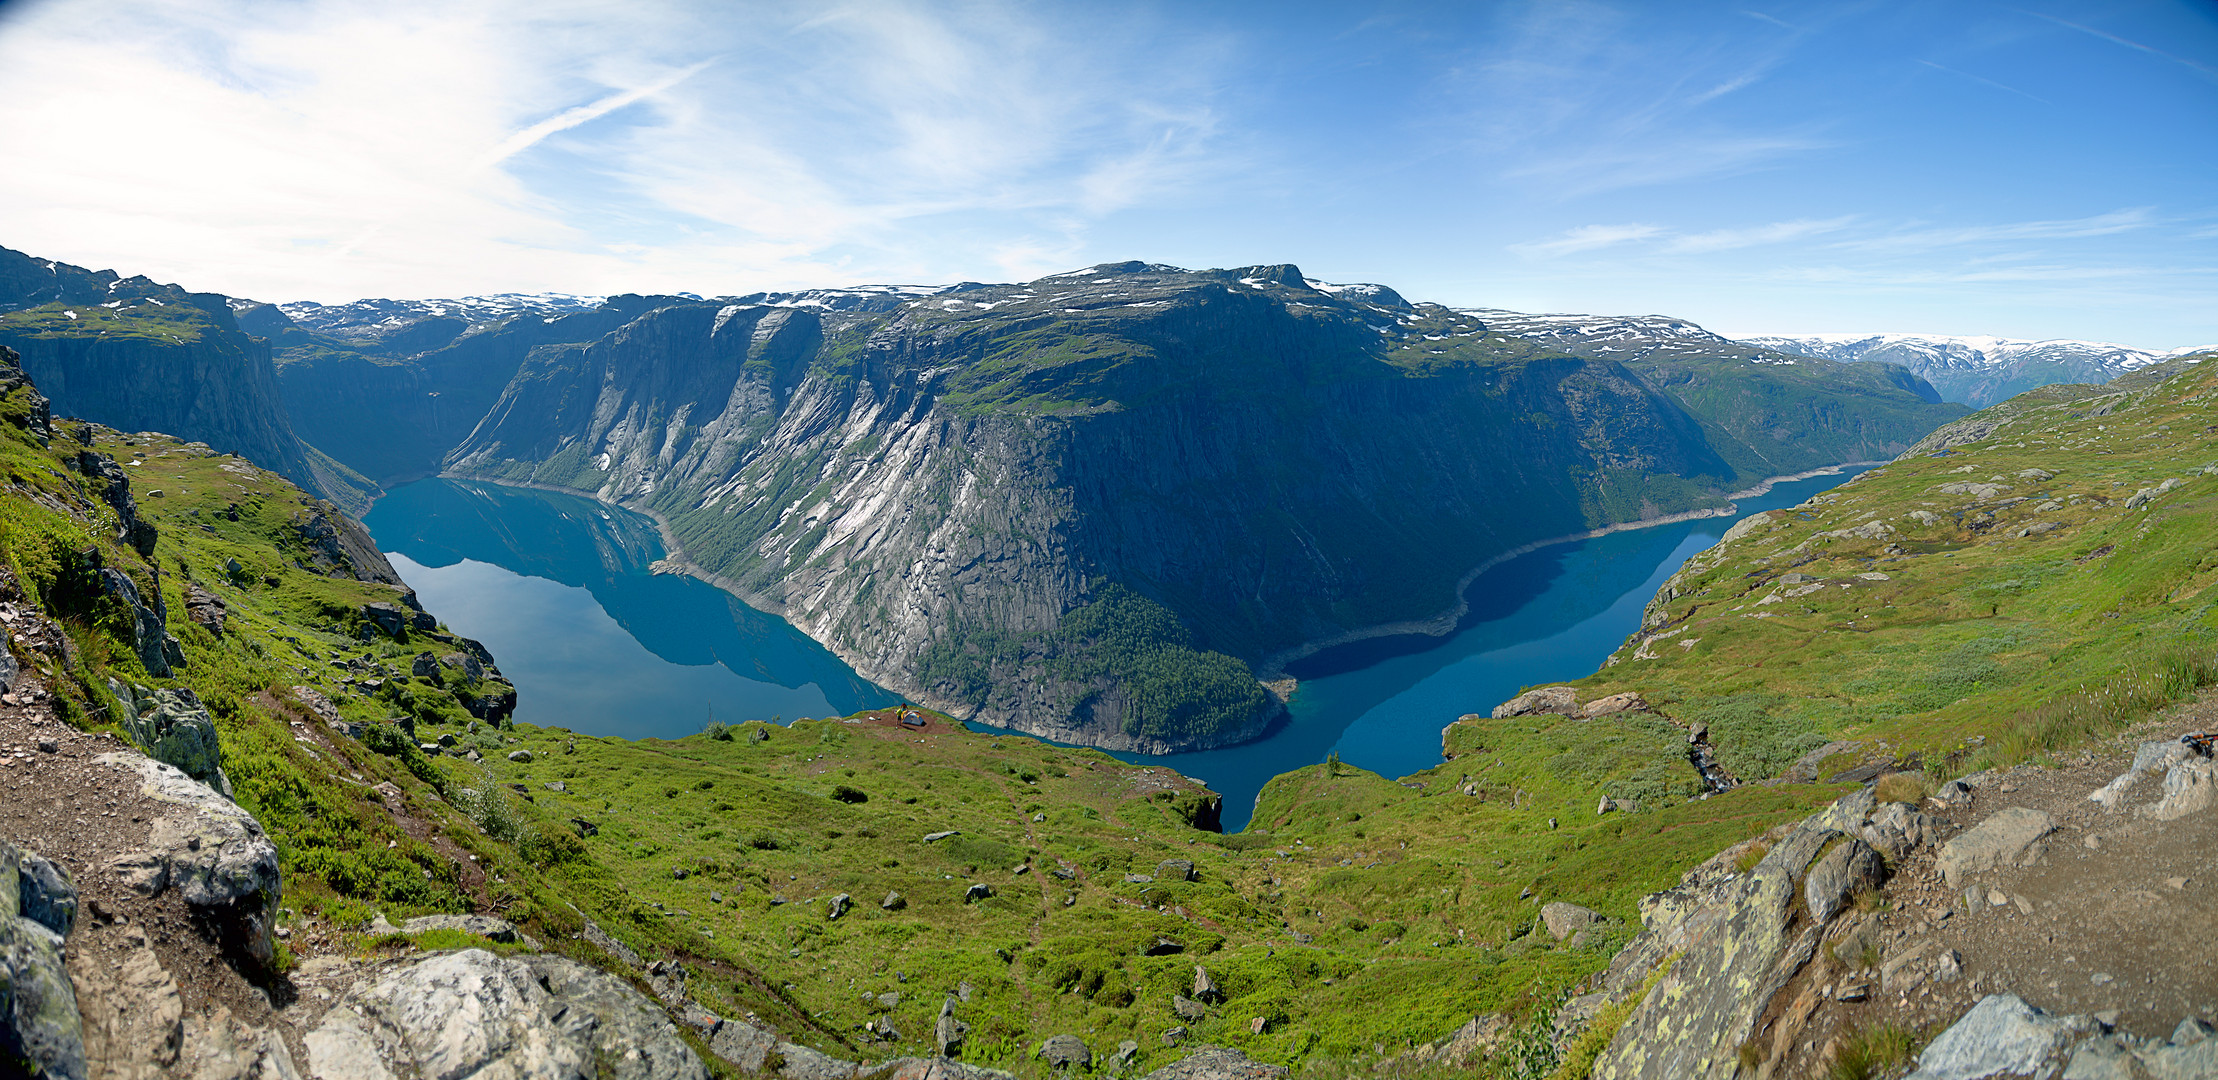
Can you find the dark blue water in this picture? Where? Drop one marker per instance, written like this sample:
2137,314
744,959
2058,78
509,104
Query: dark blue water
557,587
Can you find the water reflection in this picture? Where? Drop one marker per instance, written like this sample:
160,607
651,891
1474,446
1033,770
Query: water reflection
558,587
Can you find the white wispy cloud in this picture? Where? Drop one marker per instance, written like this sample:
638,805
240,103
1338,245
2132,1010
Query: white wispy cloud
426,148
1594,237
1587,238
1777,232
1916,239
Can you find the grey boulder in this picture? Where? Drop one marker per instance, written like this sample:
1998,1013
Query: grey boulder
1997,841
39,1022
2000,1036
1565,919
1066,1051
471,1013
174,728
212,852
1217,1063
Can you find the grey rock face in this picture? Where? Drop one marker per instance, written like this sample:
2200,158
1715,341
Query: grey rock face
39,1022
2149,757
1562,700
156,649
1997,841
1851,866
2001,1035
215,854
471,1013
44,893
174,728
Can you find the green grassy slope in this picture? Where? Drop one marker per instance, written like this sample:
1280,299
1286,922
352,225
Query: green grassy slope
2004,590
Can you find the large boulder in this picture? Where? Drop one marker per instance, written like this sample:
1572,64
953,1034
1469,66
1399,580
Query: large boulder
2000,1036
39,1023
208,849
1998,841
1217,1063
2189,787
471,1013
1565,919
1561,700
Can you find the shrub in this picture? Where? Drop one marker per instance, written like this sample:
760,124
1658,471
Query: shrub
847,794
1903,787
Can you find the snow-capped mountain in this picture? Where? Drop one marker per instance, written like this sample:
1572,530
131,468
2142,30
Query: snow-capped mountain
1978,371
1623,337
377,318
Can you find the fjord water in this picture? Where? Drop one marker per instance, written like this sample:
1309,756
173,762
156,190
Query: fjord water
558,587
1545,616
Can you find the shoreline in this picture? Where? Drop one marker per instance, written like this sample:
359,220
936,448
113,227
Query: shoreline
1272,669
1440,625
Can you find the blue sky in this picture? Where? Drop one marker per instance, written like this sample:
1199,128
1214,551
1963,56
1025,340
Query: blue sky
2034,170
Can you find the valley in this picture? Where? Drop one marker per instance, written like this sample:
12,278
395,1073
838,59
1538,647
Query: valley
887,889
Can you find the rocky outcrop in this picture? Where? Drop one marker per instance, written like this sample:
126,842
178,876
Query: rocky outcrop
214,854
471,1013
26,407
174,728
40,1030
108,480
157,649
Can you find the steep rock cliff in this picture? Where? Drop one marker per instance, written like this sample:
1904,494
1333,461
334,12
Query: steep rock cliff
141,356
934,485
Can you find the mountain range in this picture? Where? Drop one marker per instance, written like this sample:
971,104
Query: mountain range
1979,371
1096,506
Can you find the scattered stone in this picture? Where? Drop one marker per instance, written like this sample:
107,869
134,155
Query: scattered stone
1479,1036
1126,1050
894,902
1139,879
2189,787
2101,978
948,1032
584,828
837,907
1188,1009
931,838
1205,988
1163,946
1949,968
520,757
1954,795
977,892
556,786
1175,870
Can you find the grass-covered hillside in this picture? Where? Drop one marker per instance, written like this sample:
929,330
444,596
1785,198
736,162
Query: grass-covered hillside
2026,577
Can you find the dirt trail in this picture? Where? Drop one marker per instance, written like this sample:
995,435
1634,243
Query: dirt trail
2113,915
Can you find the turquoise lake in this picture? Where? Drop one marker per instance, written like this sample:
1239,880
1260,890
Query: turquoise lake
558,587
